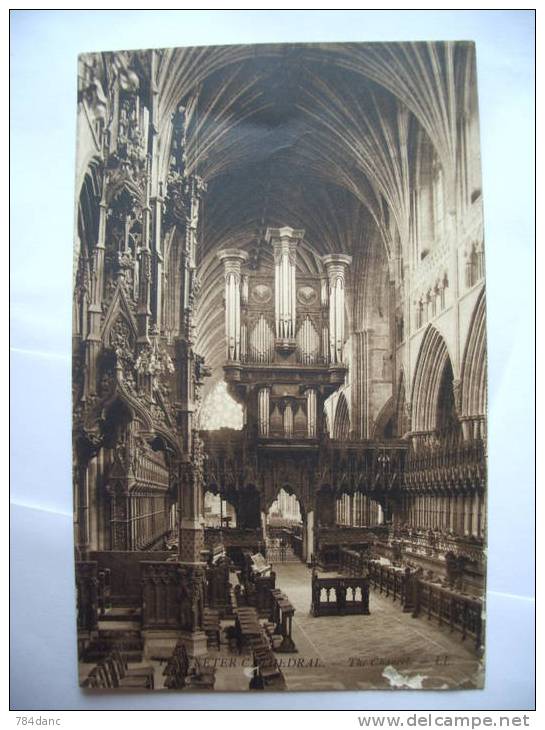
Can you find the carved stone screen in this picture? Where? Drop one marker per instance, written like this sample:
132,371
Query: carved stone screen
279,369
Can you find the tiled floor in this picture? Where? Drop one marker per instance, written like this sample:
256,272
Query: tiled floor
385,649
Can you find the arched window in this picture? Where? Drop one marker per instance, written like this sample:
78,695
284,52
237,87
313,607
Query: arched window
220,410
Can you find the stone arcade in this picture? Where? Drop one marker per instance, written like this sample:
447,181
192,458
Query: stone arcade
279,379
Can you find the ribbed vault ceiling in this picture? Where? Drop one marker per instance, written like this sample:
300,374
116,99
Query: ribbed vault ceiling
313,137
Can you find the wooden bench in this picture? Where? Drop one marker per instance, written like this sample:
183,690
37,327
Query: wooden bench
113,672
211,626
282,616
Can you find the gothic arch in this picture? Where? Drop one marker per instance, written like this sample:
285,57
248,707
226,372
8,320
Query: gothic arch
87,227
474,369
117,315
341,423
385,421
160,439
272,495
430,365
327,425
88,207
402,424
117,415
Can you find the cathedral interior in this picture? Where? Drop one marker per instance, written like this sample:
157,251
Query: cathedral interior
279,368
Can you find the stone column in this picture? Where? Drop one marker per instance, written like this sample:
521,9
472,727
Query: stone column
356,509
360,382
336,266
309,537
191,542
94,341
469,514
157,237
264,526
191,546
476,509
451,513
232,259
143,312
84,474
456,514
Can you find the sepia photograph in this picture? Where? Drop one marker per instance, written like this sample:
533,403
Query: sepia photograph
280,369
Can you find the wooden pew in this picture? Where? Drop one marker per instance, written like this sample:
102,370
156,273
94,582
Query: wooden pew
459,612
282,616
218,587
211,626
87,597
113,672
131,671
121,677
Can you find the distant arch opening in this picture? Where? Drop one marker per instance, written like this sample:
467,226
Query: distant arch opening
284,511
285,528
218,512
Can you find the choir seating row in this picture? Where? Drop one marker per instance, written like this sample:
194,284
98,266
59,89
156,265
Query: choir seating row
113,672
460,613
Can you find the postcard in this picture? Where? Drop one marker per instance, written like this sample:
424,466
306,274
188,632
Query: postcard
279,369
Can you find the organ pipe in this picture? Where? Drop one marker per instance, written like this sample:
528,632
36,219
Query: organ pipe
308,342
232,259
243,341
284,241
262,341
263,411
336,266
311,412
288,420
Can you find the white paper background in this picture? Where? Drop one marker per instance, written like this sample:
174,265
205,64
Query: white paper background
44,48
